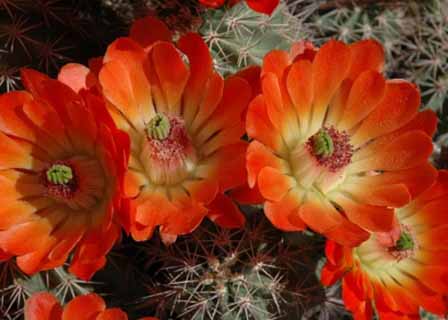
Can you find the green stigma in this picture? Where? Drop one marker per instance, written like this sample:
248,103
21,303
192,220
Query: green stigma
405,242
323,144
59,174
159,127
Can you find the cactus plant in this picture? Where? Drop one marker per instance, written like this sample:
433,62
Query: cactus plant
45,34
255,273
239,37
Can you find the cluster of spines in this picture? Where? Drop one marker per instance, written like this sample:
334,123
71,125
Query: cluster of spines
45,34
239,37
253,273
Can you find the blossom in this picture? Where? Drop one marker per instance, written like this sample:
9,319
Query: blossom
62,170
394,273
44,306
262,6
185,124
4,256
336,146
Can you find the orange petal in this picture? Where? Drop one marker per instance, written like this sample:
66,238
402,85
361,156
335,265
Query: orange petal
204,190
246,195
273,99
434,238
150,210
201,67
146,31
366,92
16,154
4,256
77,77
260,127
133,182
125,50
85,307
372,218
421,294
330,67
300,89
361,308
228,135
224,212
330,274
83,129
424,121
25,237
68,235
438,189
51,133
188,216
213,92
258,157
409,150
387,195
338,104
226,165
302,50
433,277
112,314
402,298
16,211
57,95
398,106
276,62
263,6
279,212
127,88
252,75
11,121
42,306
322,217
417,179
33,262
32,80
273,184
90,253
428,214
171,72
234,102
366,55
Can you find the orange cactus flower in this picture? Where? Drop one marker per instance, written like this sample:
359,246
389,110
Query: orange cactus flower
44,306
4,256
394,273
336,146
62,171
261,6
185,123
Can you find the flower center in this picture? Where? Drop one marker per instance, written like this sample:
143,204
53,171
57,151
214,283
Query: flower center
404,246
167,152
159,127
59,174
331,148
60,181
405,242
